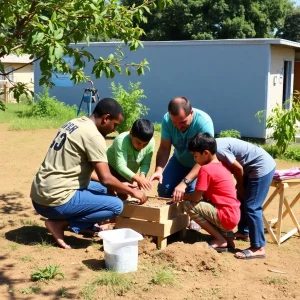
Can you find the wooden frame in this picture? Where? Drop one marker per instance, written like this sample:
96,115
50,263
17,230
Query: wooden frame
159,221
281,186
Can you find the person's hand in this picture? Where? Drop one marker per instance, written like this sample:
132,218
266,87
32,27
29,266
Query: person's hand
123,197
131,185
140,195
157,176
178,192
144,183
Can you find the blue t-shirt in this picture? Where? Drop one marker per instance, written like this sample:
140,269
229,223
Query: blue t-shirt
180,140
256,161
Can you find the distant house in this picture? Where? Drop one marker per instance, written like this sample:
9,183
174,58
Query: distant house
229,79
22,72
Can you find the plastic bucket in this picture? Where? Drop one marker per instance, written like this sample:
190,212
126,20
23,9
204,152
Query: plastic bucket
121,249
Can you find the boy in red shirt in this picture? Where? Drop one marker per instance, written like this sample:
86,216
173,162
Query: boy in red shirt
213,205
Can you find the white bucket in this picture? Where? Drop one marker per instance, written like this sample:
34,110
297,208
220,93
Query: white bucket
121,249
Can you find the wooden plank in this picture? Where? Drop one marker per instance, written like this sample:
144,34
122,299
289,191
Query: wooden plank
161,243
164,229
156,214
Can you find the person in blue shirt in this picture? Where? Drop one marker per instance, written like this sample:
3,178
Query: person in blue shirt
179,125
253,169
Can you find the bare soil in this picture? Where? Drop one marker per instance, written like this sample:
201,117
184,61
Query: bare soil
196,271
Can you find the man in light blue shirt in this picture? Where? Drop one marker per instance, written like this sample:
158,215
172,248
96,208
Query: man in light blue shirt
253,169
182,122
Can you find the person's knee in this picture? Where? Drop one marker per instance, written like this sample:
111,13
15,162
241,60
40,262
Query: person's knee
118,208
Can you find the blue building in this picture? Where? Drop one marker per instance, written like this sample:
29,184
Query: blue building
229,79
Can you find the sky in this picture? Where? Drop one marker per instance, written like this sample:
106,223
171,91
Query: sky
297,2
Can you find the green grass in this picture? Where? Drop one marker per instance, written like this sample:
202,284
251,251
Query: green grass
117,283
163,277
88,291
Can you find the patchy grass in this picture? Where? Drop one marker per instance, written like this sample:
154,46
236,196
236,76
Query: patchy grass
88,291
31,290
117,283
163,277
26,258
275,280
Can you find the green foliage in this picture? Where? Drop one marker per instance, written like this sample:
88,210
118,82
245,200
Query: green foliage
47,29
291,28
50,107
215,19
119,284
282,123
47,273
157,127
163,277
292,152
230,133
130,102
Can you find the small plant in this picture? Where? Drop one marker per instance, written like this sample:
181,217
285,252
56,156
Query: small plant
62,292
14,247
119,284
163,277
26,258
282,123
49,272
276,280
31,290
230,133
130,102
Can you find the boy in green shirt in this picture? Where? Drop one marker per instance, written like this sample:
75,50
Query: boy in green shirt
131,151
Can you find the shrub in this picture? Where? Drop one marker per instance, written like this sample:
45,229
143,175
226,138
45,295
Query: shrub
282,122
292,152
50,107
129,101
230,133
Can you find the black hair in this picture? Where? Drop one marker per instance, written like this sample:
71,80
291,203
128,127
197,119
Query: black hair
108,106
143,130
179,103
201,142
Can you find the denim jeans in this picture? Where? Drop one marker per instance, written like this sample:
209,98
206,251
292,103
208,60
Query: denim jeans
87,207
251,223
172,176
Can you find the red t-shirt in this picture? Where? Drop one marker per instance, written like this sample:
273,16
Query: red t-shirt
217,184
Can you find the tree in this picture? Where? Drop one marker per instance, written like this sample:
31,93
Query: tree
45,30
215,19
291,28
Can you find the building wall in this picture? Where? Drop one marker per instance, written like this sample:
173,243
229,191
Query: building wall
278,56
24,75
228,81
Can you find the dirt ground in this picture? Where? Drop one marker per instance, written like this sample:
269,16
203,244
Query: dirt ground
196,271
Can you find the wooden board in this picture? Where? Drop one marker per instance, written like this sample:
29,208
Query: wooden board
156,214
163,229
